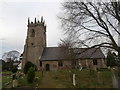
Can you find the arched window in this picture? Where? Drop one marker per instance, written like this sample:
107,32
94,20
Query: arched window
60,63
32,33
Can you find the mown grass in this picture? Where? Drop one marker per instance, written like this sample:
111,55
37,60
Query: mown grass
6,79
62,79
96,79
22,81
84,79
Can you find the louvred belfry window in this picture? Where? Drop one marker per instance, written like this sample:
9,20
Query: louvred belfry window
32,33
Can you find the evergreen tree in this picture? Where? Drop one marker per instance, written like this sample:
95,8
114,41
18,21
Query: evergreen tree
31,75
27,66
111,59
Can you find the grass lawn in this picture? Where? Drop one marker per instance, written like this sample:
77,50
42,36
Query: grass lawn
61,79
6,79
22,81
94,80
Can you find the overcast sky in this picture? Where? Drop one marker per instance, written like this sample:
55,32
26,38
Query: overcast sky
13,22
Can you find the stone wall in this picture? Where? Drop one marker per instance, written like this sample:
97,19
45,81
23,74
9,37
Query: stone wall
89,62
53,65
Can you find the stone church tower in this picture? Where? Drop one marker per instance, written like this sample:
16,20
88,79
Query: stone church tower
35,42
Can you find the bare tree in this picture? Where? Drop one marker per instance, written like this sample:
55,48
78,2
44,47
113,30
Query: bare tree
67,53
67,47
95,24
11,55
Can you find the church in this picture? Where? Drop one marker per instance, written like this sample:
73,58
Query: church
50,58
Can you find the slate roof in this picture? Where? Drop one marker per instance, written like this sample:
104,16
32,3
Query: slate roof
58,53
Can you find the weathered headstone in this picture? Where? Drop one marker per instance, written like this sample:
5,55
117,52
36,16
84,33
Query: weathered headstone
74,83
14,80
115,77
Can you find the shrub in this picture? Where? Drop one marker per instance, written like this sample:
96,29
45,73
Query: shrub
27,66
14,69
111,61
31,75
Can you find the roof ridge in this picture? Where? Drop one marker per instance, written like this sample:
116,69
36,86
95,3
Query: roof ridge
74,48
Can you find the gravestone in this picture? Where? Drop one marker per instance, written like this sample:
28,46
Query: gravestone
115,78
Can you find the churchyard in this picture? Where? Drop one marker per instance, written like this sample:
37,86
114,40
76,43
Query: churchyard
62,79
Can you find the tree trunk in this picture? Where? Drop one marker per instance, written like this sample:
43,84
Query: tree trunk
119,53
119,77
119,69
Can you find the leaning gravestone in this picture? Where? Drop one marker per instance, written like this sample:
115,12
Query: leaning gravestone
74,83
115,77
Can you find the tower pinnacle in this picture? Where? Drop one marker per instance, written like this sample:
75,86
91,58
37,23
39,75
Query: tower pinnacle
42,19
28,20
35,19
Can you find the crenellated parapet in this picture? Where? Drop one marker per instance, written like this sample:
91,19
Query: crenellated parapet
36,23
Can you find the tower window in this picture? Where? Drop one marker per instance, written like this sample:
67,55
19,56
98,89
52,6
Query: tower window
32,33
94,61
